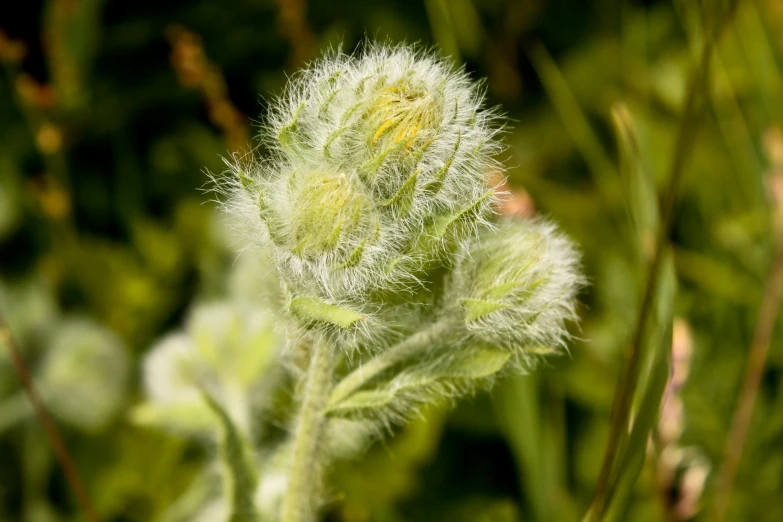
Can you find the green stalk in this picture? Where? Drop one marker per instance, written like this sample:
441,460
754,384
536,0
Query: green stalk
420,340
72,475
299,503
626,388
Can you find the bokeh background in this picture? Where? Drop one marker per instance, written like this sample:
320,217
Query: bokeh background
111,114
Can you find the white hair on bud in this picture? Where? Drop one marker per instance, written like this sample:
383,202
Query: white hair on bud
379,163
517,287
374,194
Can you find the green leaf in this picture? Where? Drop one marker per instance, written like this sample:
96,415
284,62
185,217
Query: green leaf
312,309
235,454
531,417
575,120
647,402
185,417
638,181
421,381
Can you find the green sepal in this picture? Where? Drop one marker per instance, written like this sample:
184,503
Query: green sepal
440,177
500,291
274,228
393,264
333,136
471,365
478,308
401,201
248,183
447,224
311,309
355,258
434,186
330,82
418,153
328,101
288,135
369,169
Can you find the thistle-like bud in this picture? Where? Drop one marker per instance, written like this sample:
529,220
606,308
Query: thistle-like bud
330,223
516,287
85,373
380,165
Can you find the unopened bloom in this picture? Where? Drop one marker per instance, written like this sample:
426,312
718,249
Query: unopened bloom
516,287
379,165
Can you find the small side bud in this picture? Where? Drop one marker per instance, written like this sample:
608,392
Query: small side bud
516,287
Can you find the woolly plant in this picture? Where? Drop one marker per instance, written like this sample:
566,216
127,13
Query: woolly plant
375,204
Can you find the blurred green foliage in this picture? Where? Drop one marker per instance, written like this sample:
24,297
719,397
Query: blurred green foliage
111,112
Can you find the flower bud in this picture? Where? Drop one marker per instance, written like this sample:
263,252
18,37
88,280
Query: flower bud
380,165
324,217
85,374
516,287
407,124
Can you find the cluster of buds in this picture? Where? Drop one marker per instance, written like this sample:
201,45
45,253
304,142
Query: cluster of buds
375,204
380,166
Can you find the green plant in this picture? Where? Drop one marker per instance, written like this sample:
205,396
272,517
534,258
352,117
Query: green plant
375,203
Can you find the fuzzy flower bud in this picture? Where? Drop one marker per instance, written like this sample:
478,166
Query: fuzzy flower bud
380,165
330,221
516,287
85,373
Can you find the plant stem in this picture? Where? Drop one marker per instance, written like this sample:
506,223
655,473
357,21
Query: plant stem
55,439
768,313
304,477
626,388
241,478
411,345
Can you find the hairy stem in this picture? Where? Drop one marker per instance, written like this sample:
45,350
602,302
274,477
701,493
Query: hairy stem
411,345
299,502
